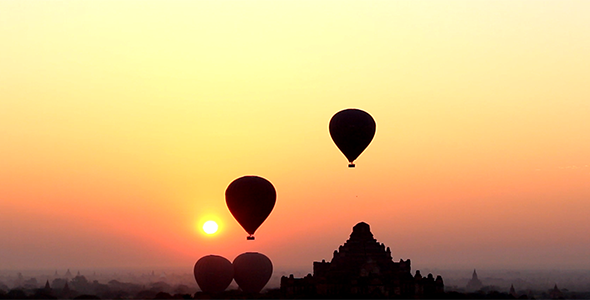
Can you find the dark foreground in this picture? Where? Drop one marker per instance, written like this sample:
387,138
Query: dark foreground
41,294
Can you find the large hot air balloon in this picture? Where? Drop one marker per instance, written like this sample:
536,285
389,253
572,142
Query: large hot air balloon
252,270
250,199
213,273
352,131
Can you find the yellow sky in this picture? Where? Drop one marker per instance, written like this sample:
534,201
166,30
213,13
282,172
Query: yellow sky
122,123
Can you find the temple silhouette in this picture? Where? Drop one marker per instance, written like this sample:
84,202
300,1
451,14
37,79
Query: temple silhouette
474,283
362,267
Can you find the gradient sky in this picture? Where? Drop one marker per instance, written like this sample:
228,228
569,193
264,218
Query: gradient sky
122,123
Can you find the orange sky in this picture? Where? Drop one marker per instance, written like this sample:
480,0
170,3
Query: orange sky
123,123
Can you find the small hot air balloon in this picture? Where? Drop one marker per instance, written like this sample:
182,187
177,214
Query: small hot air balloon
252,270
250,199
213,273
352,130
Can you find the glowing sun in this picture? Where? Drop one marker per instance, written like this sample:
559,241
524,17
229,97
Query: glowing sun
210,227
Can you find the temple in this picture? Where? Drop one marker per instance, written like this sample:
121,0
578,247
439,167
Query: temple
362,267
474,284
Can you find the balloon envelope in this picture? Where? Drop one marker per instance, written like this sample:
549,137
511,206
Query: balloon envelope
213,273
252,270
250,199
352,130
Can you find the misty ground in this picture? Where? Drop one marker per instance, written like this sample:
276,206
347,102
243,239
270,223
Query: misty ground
171,280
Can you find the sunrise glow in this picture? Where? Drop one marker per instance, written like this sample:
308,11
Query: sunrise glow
210,227
123,123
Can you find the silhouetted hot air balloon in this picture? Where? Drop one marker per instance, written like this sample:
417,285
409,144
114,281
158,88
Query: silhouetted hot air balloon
352,131
252,270
250,199
213,273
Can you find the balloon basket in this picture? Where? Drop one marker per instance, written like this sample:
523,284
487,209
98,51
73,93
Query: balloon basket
250,238
351,166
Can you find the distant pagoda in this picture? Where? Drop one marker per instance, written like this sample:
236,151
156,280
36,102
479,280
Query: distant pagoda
362,267
474,284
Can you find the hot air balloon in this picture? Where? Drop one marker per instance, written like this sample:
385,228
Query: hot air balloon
352,131
252,270
250,199
213,273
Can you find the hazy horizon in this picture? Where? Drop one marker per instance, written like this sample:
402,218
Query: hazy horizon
454,279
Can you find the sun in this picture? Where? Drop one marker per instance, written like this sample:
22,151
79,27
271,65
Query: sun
210,227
